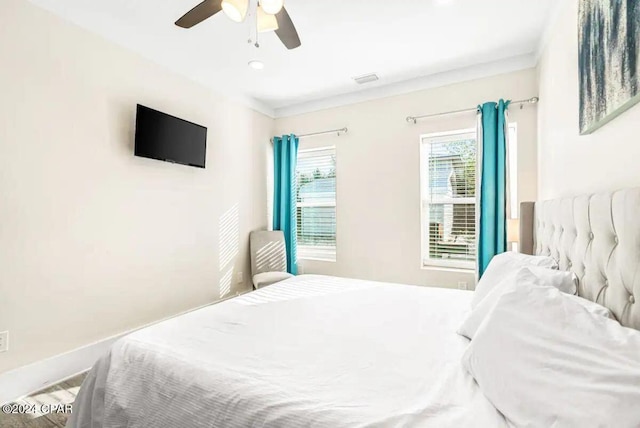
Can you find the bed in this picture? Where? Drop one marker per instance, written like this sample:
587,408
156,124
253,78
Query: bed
328,352
310,351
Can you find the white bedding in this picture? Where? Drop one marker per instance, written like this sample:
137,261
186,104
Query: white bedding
312,351
574,366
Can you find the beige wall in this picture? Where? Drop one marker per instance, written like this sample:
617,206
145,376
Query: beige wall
94,241
378,173
570,164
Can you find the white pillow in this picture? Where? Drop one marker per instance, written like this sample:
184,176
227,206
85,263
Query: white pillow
565,281
503,264
593,307
526,277
474,318
543,360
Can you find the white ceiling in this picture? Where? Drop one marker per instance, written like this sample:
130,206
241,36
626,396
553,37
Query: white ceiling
400,40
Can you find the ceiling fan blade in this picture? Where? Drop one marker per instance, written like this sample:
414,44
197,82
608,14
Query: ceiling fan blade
287,31
204,10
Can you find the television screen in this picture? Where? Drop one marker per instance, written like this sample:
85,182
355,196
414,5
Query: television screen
167,138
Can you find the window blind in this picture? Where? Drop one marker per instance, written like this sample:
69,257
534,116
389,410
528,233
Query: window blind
449,199
316,203
448,187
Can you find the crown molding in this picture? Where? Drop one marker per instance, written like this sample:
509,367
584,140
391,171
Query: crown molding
446,77
455,75
464,74
250,103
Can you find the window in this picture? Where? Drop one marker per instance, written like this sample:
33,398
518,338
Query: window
448,187
448,169
316,204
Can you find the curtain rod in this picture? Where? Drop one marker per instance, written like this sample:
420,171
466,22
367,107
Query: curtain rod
415,119
332,131
315,134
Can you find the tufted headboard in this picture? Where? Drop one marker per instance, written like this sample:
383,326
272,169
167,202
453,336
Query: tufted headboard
598,238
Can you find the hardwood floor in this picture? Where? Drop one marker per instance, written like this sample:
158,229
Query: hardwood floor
62,393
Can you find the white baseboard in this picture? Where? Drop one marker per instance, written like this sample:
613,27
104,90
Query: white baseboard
28,379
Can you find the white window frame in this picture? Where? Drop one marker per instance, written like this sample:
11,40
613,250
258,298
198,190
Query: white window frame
425,220
514,207
316,252
512,141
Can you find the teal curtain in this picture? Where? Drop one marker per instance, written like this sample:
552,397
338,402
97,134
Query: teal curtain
285,156
493,185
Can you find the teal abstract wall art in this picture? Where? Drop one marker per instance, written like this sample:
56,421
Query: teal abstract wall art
609,60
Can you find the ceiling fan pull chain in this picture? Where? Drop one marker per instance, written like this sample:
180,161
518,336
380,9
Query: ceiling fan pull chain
257,44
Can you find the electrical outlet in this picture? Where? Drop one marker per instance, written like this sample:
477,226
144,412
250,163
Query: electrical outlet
4,341
240,278
463,285
300,268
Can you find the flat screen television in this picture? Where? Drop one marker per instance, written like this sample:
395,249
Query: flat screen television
167,138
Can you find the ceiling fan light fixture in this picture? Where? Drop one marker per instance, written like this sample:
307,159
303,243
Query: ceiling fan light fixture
272,7
266,22
236,10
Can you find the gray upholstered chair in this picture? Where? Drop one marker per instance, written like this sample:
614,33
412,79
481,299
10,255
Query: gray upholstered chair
268,258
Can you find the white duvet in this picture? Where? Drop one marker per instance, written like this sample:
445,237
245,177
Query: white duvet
309,352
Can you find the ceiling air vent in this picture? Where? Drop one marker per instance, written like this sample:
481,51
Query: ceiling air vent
367,78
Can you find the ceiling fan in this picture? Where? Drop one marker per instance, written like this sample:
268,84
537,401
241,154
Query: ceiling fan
271,16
